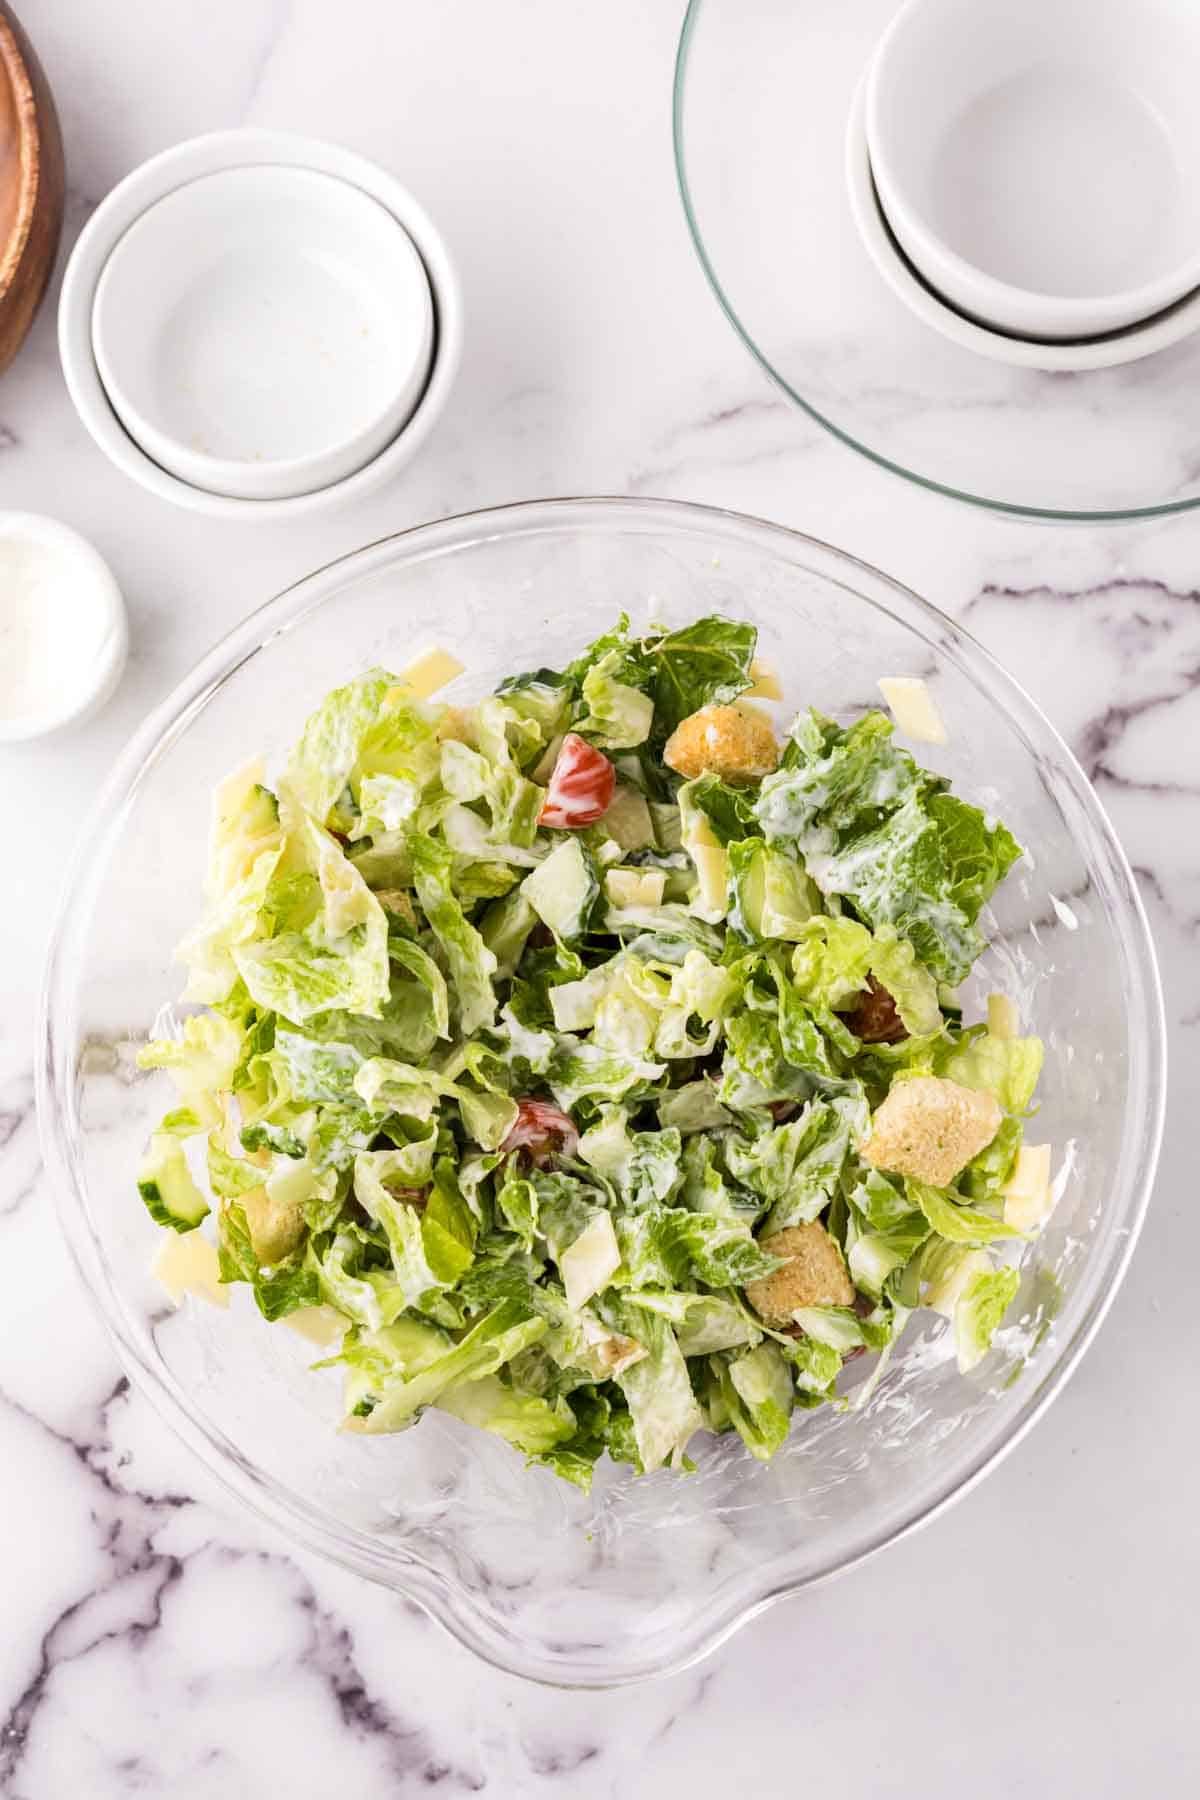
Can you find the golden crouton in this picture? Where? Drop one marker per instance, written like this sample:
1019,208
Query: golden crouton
734,742
814,1275
931,1129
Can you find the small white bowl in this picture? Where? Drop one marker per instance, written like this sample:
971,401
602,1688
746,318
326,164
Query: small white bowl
1155,334
264,332
62,627
1039,160
161,176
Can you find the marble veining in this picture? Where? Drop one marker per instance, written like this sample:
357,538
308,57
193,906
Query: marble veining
158,1640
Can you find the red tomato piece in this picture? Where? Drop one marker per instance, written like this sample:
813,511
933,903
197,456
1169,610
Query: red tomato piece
544,1130
581,786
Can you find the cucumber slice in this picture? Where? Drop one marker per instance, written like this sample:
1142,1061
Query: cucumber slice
260,812
628,820
504,928
563,890
772,895
166,1185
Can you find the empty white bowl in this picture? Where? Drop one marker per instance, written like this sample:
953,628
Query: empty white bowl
1039,160
264,331
163,175
1061,357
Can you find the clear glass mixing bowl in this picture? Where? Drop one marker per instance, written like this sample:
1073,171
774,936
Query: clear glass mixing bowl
645,1575
764,91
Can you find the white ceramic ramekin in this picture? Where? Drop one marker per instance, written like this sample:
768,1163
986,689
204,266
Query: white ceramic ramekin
1063,356
163,175
78,612
1039,160
264,331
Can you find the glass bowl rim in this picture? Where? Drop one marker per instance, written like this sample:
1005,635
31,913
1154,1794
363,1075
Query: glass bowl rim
445,1599
1012,508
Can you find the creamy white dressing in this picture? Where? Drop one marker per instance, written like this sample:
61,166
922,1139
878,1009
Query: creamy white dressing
50,645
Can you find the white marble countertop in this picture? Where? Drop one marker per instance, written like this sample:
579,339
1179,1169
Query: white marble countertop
1039,1639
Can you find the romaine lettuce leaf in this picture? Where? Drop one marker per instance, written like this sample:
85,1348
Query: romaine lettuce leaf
528,1421
873,826
245,846
337,959
982,1304
470,962
957,1224
770,894
487,1346
367,728
278,1289
657,1391
581,1070
202,1063
815,1368
795,1167
644,1166
1006,1067
704,664
674,1248
775,1055
729,810
985,1177
693,1107
759,1394
491,774
618,715
873,1256
832,960
715,1322
588,1263
428,1251
894,965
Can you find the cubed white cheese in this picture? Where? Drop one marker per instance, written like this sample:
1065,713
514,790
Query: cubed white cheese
914,709
1028,1196
1004,1021
426,673
765,682
635,887
321,1325
187,1264
590,1263
712,868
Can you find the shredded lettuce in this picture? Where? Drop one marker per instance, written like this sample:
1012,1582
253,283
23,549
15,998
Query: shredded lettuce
523,1107
874,827
1006,1067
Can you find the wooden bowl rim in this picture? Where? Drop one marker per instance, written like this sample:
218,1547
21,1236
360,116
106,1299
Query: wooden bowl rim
16,72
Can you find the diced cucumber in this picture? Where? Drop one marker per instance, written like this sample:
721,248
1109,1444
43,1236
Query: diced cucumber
772,895
504,928
260,812
563,890
166,1185
628,820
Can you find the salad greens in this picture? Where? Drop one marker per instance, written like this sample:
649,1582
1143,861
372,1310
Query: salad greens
550,1077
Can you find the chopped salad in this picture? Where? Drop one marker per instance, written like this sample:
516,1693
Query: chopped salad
587,1062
